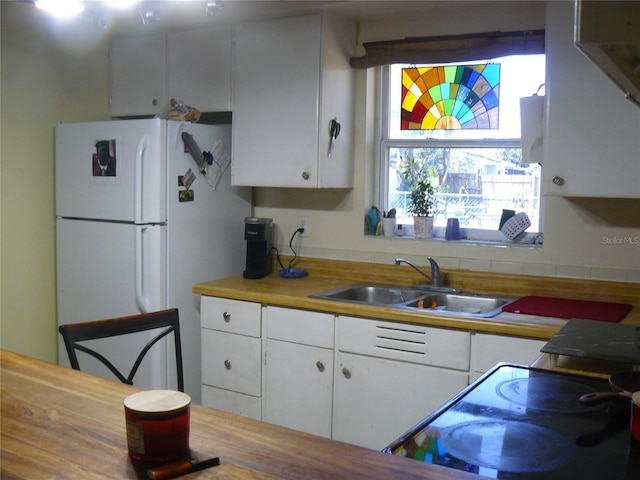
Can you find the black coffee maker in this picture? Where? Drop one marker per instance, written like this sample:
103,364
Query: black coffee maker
258,234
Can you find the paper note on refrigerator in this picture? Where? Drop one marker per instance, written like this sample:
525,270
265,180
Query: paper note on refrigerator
220,160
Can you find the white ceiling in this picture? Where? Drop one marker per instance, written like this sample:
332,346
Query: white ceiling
181,14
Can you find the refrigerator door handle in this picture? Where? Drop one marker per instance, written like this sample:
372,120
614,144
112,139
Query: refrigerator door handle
141,299
140,151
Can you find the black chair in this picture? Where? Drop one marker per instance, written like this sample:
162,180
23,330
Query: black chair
78,332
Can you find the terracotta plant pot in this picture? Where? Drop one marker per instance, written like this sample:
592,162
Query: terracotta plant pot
423,227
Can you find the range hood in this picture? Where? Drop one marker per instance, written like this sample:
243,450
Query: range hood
608,33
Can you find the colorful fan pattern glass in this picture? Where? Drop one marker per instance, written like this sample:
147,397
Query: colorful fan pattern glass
450,97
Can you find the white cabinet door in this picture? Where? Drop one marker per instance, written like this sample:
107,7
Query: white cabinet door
291,78
138,71
299,369
377,400
487,350
299,387
192,66
199,68
591,138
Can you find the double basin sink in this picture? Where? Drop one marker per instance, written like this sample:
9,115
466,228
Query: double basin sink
428,299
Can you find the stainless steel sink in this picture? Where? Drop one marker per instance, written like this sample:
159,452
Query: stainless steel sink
476,304
435,302
371,294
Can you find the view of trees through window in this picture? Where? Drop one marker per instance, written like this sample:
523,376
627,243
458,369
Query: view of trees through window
472,184
475,173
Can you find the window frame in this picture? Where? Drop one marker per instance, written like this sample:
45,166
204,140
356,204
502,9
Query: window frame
383,76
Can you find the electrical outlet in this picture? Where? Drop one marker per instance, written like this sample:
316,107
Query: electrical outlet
303,223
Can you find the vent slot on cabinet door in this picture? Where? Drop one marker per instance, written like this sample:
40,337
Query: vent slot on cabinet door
400,339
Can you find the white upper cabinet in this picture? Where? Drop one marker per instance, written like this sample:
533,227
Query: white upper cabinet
291,79
138,66
199,68
192,66
592,133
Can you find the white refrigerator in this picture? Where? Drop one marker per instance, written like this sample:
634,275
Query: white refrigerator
137,224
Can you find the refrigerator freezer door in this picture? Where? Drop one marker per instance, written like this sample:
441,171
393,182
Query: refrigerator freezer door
114,170
101,274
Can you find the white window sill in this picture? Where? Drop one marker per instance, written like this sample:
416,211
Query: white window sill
528,241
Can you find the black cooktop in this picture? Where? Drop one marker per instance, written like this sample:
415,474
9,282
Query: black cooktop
519,422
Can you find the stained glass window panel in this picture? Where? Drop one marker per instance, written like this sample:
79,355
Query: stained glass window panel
450,97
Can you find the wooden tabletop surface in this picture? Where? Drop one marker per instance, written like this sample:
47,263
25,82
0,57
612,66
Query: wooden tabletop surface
63,424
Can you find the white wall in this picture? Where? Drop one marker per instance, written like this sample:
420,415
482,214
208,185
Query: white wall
46,79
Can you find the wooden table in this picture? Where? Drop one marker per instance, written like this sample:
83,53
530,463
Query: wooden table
63,424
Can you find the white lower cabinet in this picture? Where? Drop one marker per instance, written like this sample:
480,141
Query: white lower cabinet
298,386
391,376
357,380
376,400
488,349
232,356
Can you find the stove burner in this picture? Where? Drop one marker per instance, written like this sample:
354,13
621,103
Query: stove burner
502,445
545,394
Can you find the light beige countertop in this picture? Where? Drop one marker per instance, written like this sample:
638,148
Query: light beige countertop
330,274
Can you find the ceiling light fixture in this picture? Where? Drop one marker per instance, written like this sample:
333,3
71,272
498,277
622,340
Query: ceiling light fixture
61,8
120,4
149,15
215,6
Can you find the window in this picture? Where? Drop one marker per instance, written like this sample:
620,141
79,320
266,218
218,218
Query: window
477,172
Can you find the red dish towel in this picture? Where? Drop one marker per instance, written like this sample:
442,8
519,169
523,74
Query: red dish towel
567,308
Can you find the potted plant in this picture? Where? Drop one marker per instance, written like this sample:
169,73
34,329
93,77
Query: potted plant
421,198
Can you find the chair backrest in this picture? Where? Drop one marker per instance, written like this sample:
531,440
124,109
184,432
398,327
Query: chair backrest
167,320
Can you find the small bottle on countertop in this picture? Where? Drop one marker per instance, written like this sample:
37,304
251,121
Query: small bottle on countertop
399,231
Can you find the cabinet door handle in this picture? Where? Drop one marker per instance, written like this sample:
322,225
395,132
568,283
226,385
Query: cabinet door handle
227,364
305,176
320,366
346,372
558,180
226,316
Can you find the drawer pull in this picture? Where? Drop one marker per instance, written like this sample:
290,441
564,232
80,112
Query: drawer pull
227,364
226,316
346,372
320,366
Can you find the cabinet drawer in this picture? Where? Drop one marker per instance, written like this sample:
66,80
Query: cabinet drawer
300,326
487,350
401,341
231,316
232,402
231,361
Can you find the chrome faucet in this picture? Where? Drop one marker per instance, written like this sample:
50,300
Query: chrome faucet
435,279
